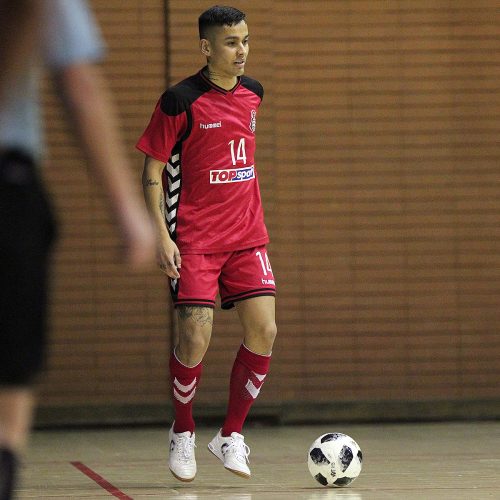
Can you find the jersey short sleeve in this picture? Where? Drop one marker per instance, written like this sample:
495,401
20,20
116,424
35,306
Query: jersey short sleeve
166,127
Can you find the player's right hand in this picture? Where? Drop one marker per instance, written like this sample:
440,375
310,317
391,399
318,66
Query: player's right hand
169,258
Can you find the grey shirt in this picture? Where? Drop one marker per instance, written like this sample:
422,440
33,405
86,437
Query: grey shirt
68,35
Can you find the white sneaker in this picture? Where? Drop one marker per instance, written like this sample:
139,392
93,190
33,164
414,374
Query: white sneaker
181,461
233,452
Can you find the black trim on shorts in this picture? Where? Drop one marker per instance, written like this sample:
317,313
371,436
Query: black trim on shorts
250,294
250,291
195,303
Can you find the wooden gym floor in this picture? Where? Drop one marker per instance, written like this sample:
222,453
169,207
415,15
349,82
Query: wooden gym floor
455,461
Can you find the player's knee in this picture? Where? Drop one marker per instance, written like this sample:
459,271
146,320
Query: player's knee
194,342
271,331
267,333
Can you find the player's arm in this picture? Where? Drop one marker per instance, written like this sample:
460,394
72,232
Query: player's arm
169,258
89,106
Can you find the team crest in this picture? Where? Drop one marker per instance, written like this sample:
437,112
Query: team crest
253,120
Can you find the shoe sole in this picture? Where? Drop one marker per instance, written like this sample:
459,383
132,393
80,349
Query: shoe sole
234,471
183,479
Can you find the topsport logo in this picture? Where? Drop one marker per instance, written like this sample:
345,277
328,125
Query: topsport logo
232,175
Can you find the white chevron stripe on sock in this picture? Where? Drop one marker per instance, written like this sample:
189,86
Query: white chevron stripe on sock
184,399
184,388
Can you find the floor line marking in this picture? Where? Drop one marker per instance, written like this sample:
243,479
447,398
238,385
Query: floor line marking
103,483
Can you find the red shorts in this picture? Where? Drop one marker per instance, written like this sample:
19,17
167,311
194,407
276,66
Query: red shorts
236,275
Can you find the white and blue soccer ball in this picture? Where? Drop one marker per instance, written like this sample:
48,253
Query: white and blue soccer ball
335,459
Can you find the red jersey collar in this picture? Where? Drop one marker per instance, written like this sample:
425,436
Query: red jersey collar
216,87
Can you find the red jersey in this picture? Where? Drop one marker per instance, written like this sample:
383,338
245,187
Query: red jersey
206,137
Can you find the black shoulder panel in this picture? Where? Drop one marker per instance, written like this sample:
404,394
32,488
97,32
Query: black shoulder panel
253,85
179,97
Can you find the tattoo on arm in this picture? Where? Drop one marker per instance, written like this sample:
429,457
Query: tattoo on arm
162,204
200,315
150,183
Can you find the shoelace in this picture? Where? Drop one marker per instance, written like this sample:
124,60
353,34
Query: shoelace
185,447
239,448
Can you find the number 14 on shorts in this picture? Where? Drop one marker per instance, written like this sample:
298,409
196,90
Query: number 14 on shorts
266,268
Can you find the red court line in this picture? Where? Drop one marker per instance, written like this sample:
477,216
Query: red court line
113,490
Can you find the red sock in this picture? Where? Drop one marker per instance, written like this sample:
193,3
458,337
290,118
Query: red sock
247,377
184,382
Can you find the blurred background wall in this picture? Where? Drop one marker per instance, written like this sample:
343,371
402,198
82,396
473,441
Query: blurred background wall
379,163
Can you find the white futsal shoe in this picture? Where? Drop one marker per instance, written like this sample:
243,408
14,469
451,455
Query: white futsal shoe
232,452
181,461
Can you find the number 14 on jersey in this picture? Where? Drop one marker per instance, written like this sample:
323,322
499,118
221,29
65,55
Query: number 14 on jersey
238,152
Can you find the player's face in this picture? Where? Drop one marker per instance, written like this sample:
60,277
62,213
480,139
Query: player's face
228,50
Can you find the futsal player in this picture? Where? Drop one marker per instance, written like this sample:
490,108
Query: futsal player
200,185
69,44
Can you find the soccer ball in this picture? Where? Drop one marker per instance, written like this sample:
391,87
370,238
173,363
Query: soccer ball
334,459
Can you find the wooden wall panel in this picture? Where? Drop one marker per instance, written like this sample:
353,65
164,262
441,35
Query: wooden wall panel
378,159
378,142
391,146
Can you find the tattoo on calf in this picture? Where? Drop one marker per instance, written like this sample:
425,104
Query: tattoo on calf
201,315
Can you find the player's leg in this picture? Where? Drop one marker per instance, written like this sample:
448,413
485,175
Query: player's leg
247,376
252,361
243,285
258,318
16,409
251,273
195,329
194,297
27,232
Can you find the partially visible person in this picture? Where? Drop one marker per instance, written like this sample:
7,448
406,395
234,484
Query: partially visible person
69,44
17,26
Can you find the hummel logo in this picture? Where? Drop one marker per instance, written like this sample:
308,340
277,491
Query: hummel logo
252,388
211,125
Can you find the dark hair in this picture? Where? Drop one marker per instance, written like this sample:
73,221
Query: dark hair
219,15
